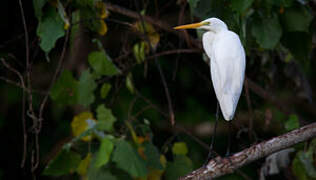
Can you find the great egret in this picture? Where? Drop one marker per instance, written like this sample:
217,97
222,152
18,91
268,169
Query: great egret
227,62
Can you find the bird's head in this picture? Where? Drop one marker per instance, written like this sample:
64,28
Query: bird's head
210,24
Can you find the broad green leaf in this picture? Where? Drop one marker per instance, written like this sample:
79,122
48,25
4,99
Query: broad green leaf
64,163
102,64
296,19
99,173
104,152
81,123
152,156
105,118
292,123
105,89
126,158
84,165
179,148
129,83
179,167
241,5
50,29
86,87
64,91
267,32
38,5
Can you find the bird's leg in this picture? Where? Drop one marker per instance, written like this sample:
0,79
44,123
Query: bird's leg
229,138
210,152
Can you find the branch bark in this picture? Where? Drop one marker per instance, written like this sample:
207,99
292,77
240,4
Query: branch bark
220,166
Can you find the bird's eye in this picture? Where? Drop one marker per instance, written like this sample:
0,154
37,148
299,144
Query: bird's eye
206,23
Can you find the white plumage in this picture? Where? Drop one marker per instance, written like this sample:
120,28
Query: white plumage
227,62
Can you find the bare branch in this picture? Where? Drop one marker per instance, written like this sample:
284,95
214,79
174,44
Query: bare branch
220,166
158,23
162,76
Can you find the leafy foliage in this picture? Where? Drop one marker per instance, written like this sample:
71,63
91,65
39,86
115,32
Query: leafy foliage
104,152
128,159
102,64
109,95
64,163
64,90
50,29
105,118
86,87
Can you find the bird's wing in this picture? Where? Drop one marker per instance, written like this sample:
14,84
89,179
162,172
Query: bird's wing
227,70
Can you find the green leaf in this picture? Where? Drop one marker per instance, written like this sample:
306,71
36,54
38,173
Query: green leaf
179,148
292,123
64,163
100,174
267,32
104,153
129,83
84,165
179,167
38,5
105,89
139,52
241,5
86,87
152,156
64,91
101,64
105,118
126,158
296,19
50,29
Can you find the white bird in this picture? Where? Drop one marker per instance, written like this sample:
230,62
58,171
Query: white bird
227,62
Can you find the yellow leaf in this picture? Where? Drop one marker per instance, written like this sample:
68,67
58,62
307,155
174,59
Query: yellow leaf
155,174
133,133
179,148
150,31
81,123
163,161
140,139
66,25
103,28
84,164
141,152
102,11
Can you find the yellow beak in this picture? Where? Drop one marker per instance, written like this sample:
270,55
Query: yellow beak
190,26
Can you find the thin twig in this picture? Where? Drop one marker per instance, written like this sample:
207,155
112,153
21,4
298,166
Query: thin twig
250,125
29,86
58,69
162,76
174,51
151,104
9,81
158,23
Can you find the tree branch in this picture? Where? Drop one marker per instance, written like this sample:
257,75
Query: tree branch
220,166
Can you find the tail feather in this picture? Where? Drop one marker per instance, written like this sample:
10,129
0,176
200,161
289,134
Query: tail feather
228,106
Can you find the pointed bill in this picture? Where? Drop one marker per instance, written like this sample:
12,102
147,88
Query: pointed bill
190,26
